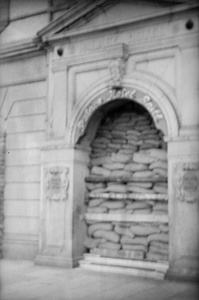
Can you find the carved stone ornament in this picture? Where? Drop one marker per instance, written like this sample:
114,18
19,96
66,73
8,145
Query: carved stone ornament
117,71
186,181
56,183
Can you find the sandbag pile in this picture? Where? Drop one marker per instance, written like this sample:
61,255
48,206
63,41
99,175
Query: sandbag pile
128,146
128,240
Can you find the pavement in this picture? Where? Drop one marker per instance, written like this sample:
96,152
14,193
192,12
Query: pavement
23,280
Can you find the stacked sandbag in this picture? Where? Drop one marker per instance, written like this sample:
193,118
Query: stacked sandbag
2,180
128,240
128,158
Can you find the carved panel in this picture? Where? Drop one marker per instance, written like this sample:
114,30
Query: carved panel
186,181
117,70
56,183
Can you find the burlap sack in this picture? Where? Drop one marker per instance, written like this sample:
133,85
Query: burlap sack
161,237
124,231
135,167
109,245
119,141
137,205
141,174
139,190
117,188
121,173
158,164
102,140
150,131
117,211
122,158
146,146
95,202
98,145
158,154
127,151
146,185
160,245
135,142
160,171
133,132
93,243
159,212
98,209
144,230
134,241
113,204
108,235
152,142
91,186
101,160
100,171
145,211
160,189
97,226
164,227
161,206
134,247
143,158
115,146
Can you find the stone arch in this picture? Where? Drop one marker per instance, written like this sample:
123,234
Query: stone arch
146,90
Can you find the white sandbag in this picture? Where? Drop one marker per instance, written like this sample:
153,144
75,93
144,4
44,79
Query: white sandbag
140,157
93,243
122,158
121,173
109,245
143,211
160,171
158,154
114,166
135,241
108,235
113,204
137,205
141,174
95,202
98,209
139,190
162,237
144,230
117,188
124,231
97,226
146,185
159,164
100,171
135,167
134,247
164,227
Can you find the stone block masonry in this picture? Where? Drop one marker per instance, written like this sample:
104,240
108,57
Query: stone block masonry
2,183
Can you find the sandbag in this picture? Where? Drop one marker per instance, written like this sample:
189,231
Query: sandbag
146,185
113,204
101,160
109,245
100,171
93,243
117,211
160,206
123,231
134,241
143,211
139,190
160,171
164,227
162,237
117,188
159,164
95,210
91,186
137,205
141,174
144,230
135,167
160,245
158,250
98,226
152,142
122,158
158,154
108,235
133,132
160,189
121,173
114,166
95,202
134,247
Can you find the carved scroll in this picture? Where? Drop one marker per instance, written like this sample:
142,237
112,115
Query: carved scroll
56,183
186,181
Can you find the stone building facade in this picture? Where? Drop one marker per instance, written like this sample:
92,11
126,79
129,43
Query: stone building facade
64,66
